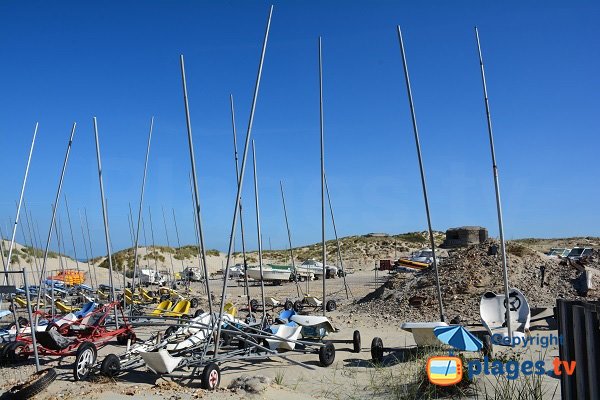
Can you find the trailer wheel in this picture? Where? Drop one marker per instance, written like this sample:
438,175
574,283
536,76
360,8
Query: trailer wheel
297,306
3,347
35,384
331,305
16,352
111,365
327,354
253,305
124,337
377,350
194,302
288,305
198,312
171,330
356,342
488,347
84,360
211,377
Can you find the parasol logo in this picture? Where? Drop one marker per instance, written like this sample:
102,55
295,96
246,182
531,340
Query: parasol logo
444,370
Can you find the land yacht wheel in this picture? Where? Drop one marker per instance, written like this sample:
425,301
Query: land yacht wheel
327,355
211,377
356,342
84,360
377,350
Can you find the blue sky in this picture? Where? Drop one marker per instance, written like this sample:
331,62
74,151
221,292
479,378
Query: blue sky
119,61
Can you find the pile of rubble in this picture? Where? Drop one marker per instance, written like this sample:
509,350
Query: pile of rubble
468,273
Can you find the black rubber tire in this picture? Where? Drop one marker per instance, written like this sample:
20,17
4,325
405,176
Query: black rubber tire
253,305
37,383
79,371
327,354
198,312
377,350
50,326
211,377
356,342
124,337
14,352
23,322
194,302
297,306
171,330
3,347
111,366
226,337
288,305
488,347
331,305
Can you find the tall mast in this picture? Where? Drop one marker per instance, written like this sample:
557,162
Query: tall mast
14,230
105,219
177,235
243,169
289,235
87,225
32,240
197,211
260,258
87,255
130,226
418,144
337,241
237,179
71,230
324,255
168,245
153,243
141,205
497,189
54,209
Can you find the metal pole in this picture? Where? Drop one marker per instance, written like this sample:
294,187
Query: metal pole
32,240
87,255
243,169
153,243
168,245
87,224
260,260
29,314
14,231
197,213
322,174
497,189
139,219
178,241
289,235
71,230
130,226
337,241
201,266
53,219
237,178
105,218
418,144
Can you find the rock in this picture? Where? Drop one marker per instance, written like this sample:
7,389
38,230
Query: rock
250,384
